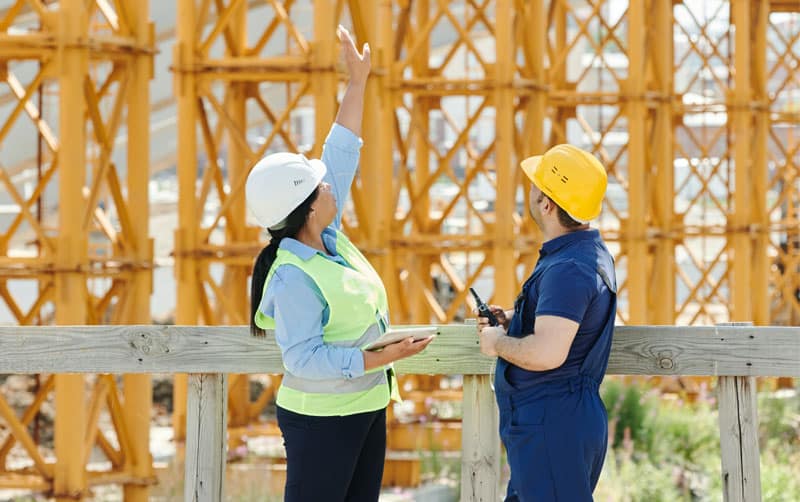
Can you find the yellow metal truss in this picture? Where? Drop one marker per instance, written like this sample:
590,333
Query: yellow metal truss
93,264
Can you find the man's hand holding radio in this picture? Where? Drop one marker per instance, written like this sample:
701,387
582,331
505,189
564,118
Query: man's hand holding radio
488,334
502,316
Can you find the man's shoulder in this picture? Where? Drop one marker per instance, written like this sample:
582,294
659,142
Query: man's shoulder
570,274
588,255
571,266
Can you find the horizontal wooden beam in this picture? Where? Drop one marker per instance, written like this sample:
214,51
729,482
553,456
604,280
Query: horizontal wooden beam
706,351
784,6
636,350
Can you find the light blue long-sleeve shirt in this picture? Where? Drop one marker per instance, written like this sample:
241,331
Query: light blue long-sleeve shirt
294,300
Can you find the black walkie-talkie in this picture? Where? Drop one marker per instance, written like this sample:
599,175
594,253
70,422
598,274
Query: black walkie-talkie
484,309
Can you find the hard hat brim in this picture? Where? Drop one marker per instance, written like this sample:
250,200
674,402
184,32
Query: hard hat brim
530,165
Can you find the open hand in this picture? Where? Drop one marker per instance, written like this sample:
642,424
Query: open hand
358,64
406,348
390,353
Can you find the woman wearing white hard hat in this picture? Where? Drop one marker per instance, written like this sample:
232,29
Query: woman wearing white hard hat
325,303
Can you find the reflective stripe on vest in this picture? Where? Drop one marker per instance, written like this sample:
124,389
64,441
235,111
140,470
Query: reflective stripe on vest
356,301
360,384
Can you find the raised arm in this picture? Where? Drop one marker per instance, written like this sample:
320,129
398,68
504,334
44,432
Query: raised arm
358,66
341,149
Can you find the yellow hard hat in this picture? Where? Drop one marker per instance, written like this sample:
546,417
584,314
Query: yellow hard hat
572,177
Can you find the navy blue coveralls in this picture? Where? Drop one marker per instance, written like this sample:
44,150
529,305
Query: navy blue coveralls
553,423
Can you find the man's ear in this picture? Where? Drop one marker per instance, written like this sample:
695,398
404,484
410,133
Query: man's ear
549,205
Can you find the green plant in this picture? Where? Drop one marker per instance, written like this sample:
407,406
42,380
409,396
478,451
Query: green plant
687,432
667,449
627,480
779,419
780,478
630,409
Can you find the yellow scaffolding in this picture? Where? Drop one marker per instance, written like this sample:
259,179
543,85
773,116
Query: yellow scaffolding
99,56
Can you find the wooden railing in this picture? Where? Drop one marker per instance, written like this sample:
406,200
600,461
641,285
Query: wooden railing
734,354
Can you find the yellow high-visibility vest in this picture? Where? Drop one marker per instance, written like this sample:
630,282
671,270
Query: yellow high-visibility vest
357,305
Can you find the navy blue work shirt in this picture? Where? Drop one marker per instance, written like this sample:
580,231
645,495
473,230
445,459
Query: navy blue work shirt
565,283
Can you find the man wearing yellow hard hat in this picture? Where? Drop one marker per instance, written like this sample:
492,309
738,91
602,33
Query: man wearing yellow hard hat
553,347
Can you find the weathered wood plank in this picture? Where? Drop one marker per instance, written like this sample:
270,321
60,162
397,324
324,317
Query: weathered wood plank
730,440
751,451
480,457
636,350
136,349
206,438
455,351
705,350
738,429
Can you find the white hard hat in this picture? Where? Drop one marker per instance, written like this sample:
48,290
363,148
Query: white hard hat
279,183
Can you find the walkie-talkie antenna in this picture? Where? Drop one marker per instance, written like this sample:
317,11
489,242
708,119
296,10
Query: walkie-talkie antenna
484,309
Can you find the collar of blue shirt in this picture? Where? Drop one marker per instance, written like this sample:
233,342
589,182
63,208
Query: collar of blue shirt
304,252
561,241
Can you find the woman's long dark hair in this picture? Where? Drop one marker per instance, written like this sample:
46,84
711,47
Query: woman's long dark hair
294,223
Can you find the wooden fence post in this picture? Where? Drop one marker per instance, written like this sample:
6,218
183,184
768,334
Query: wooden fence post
480,440
206,424
738,429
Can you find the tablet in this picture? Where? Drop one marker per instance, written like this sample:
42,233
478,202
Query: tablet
395,335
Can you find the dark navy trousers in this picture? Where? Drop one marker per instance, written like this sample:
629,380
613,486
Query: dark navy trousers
556,436
333,459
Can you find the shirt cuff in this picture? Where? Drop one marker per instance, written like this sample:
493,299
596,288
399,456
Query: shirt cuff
556,313
343,138
355,366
